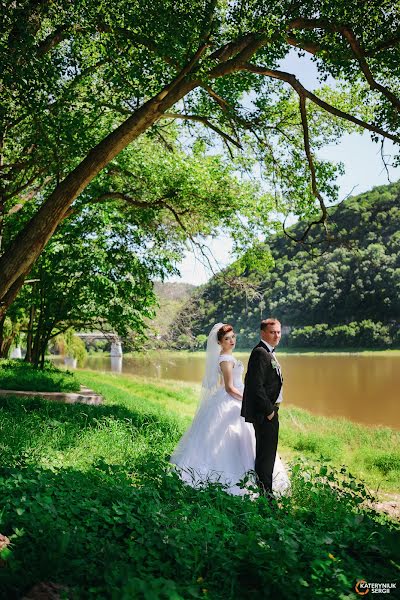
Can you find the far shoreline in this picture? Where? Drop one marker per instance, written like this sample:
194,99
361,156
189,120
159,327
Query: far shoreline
283,350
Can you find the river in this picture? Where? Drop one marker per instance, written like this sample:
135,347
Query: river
362,388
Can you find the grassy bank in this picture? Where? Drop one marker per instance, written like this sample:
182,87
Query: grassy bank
88,502
19,375
370,453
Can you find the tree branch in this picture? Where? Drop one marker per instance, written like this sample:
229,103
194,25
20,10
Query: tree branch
360,55
235,64
132,202
306,137
300,89
232,48
138,39
304,23
119,109
23,187
309,47
381,46
55,38
218,99
358,52
206,122
186,70
385,164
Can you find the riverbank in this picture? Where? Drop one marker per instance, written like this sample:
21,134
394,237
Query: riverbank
89,503
371,453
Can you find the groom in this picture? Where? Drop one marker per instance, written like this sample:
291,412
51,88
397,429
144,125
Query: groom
261,399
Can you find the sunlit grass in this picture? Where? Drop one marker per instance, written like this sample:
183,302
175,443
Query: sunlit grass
371,453
15,374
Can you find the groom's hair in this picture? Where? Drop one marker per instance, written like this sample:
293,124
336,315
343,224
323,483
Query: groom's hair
271,321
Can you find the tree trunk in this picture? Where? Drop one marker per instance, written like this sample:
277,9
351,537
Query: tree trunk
6,341
2,321
7,344
29,337
28,244
43,351
36,350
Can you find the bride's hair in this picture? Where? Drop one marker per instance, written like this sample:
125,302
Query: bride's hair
226,328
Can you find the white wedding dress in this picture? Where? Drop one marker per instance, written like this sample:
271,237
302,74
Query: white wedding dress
219,446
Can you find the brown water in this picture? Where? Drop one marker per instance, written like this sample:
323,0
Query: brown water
364,389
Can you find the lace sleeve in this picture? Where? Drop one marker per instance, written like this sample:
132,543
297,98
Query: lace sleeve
226,358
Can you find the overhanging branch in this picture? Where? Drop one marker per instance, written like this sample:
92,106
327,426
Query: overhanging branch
300,89
360,56
357,50
160,203
205,122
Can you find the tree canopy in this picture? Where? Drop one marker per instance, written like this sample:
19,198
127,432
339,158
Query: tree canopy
81,81
127,229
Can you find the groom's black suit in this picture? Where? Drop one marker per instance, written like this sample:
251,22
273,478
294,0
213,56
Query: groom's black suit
262,386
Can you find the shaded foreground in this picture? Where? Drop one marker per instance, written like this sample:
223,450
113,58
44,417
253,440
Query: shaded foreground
88,503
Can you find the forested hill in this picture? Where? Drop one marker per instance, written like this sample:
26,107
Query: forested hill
351,282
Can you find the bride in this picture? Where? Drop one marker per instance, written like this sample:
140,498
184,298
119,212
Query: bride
219,446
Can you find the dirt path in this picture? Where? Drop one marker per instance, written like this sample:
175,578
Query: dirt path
389,504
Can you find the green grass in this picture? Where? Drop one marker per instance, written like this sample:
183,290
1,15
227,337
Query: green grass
88,502
19,375
362,449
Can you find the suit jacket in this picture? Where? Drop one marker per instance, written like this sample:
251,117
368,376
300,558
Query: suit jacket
262,385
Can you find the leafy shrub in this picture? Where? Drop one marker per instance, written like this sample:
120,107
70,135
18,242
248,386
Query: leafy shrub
110,519
385,462
69,344
367,334
104,537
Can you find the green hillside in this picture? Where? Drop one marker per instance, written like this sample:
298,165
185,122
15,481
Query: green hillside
353,283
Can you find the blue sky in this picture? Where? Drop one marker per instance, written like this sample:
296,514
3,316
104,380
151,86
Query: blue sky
361,157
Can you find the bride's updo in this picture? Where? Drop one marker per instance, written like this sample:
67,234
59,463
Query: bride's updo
226,328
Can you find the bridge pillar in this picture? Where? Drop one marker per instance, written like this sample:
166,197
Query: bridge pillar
116,348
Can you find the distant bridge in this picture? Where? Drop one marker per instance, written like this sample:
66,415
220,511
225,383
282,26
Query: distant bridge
116,346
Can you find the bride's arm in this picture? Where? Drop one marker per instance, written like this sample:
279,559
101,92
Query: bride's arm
227,368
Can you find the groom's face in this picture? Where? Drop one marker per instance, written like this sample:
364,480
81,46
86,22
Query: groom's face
272,334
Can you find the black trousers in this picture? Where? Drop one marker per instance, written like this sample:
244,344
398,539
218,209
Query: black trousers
266,445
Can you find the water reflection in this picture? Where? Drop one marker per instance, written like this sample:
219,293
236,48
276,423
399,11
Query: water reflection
116,364
361,388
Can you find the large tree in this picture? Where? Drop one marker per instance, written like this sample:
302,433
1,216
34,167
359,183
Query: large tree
127,229
80,81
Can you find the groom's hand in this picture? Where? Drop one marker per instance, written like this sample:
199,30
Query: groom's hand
271,416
